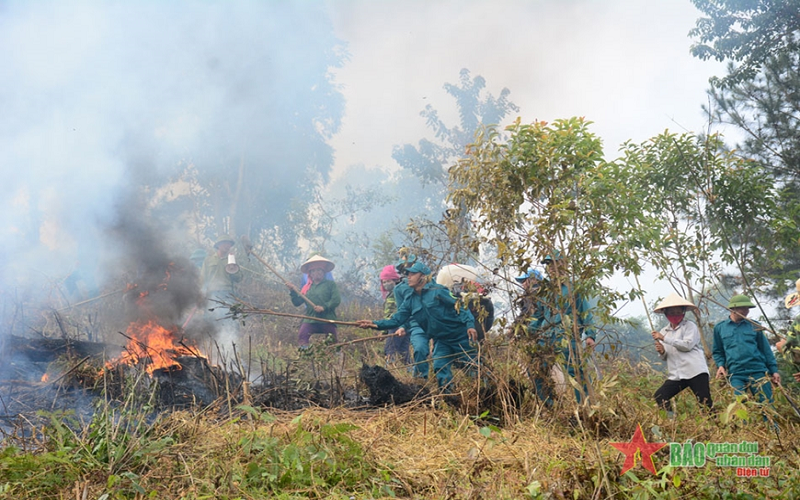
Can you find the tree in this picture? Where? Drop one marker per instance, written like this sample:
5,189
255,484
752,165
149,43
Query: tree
274,105
682,203
761,97
748,32
438,230
429,160
544,189
706,211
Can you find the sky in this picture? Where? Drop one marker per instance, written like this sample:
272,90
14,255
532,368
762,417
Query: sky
623,64
100,98
95,96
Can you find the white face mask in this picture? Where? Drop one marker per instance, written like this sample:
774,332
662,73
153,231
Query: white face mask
388,285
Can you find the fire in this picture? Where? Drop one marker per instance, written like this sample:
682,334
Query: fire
45,377
153,345
150,342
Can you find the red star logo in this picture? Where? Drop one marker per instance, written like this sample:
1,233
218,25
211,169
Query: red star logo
638,447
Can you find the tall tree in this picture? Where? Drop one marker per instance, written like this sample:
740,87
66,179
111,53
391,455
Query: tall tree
760,96
543,187
430,159
675,201
707,211
476,107
746,32
273,106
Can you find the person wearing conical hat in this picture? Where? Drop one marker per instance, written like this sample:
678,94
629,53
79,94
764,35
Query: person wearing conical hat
790,346
679,345
323,293
742,353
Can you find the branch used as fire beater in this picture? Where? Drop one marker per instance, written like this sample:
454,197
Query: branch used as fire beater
90,300
254,310
364,339
248,248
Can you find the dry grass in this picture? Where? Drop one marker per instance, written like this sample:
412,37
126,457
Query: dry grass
424,450
431,450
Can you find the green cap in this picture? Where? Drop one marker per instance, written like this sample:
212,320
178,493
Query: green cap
548,259
418,267
740,301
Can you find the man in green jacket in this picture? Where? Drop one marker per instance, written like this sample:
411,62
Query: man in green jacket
555,310
217,281
433,308
323,293
742,353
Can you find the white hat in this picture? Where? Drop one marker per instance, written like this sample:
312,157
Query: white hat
674,300
327,265
793,299
457,273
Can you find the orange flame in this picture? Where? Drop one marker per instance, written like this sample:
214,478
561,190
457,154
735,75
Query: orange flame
154,345
45,377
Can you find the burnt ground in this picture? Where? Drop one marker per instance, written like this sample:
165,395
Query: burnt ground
32,390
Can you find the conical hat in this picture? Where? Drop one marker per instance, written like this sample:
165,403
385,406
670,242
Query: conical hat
674,300
317,258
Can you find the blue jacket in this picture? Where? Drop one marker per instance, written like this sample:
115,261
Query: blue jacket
433,310
742,350
547,321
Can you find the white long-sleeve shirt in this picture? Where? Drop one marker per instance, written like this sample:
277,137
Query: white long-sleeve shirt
683,352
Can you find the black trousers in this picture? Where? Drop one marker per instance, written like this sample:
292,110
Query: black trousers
670,388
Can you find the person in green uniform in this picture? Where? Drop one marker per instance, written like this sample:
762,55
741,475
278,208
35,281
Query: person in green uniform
218,282
433,307
742,353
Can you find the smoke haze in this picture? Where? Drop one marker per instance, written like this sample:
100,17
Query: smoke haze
104,103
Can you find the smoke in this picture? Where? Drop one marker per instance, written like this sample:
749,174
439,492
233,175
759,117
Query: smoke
165,287
106,104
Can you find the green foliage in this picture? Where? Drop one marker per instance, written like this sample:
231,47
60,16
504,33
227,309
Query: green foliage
429,160
705,211
748,32
759,96
699,201
318,456
545,188
117,443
